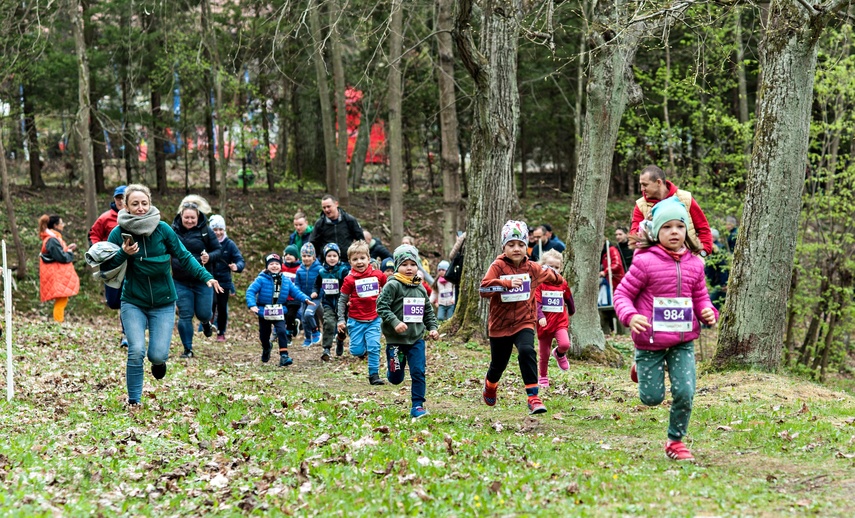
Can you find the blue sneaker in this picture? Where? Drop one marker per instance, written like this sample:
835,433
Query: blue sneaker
308,341
418,411
316,337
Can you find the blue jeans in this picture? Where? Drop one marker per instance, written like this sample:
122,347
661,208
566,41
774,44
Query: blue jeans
310,322
195,298
443,313
414,355
159,322
365,337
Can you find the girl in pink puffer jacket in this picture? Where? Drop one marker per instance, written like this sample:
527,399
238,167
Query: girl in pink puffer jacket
660,299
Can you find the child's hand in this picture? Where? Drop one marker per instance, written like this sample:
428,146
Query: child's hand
542,322
314,295
310,303
434,335
233,267
342,327
254,309
708,316
401,328
516,282
639,323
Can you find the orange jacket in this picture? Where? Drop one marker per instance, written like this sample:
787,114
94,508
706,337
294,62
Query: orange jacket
57,279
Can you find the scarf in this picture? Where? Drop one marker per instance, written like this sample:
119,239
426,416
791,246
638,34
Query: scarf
678,255
408,281
143,225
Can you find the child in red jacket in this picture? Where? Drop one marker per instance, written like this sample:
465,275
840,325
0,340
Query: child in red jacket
554,305
660,299
509,283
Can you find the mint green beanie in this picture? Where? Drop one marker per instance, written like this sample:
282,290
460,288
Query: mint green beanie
665,211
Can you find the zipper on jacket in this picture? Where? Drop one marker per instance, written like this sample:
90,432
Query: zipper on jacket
679,288
150,289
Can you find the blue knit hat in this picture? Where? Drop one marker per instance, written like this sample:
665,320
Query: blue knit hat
387,264
308,249
667,210
330,247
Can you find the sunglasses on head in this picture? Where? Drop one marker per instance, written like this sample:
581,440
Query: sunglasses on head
189,205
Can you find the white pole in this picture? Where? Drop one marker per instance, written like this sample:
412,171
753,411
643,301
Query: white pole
7,303
611,286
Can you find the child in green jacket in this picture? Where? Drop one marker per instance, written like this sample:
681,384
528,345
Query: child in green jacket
405,309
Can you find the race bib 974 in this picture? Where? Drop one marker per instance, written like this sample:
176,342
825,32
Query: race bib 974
367,287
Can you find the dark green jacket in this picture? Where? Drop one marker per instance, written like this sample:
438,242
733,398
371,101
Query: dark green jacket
148,281
390,308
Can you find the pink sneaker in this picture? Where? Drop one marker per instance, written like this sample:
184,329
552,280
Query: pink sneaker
563,364
676,450
543,381
221,338
633,373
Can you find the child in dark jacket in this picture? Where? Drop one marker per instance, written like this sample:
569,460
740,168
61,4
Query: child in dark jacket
661,299
405,308
305,281
509,283
266,291
230,261
290,264
328,287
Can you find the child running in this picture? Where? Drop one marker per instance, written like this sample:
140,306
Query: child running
554,306
290,265
230,261
306,275
659,299
328,286
404,306
363,324
443,294
266,291
508,283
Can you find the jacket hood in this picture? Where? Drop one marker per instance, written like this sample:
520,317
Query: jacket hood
369,272
201,224
672,190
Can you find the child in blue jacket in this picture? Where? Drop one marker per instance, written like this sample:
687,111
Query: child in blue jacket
305,281
268,290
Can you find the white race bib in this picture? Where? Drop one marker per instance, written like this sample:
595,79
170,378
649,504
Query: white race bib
414,309
446,294
520,293
552,301
274,312
367,287
330,286
291,276
674,314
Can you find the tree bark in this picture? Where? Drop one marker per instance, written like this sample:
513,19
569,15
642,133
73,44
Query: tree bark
323,94
265,129
363,139
36,180
159,140
752,325
450,153
82,125
20,253
336,18
492,193
610,88
209,136
395,96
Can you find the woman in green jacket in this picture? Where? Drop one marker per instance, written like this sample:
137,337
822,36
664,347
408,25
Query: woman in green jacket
148,293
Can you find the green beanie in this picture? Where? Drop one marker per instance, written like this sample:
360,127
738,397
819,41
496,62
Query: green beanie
292,250
667,210
404,252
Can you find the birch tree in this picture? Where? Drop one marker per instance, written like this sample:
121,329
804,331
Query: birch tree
395,95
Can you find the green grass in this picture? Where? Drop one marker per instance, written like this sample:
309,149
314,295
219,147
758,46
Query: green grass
224,434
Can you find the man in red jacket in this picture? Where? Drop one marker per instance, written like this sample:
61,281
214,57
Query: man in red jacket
655,188
107,222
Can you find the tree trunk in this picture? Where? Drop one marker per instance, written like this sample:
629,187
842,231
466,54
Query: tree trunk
665,115
395,96
96,130
742,83
790,339
159,139
323,94
128,143
221,138
450,153
492,193
363,139
265,129
408,162
610,88
82,125
209,136
36,180
336,18
20,253
752,324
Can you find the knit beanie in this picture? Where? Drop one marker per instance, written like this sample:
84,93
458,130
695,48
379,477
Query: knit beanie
404,252
514,231
443,265
667,210
272,258
308,249
387,264
217,221
331,247
293,251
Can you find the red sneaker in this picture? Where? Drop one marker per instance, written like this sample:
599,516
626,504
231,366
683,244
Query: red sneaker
489,394
633,373
536,406
676,450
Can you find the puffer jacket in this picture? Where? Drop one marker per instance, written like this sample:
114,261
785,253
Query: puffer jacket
230,254
655,273
57,278
337,272
260,292
195,240
305,279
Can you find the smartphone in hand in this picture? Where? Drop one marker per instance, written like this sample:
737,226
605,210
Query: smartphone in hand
127,238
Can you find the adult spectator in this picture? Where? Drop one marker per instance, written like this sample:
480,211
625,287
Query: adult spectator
550,240
655,188
195,297
148,292
302,230
622,239
100,231
376,250
717,271
335,226
732,232
535,243
57,279
612,263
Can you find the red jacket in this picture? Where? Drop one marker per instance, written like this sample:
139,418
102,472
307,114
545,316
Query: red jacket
554,320
617,266
105,224
362,308
290,271
699,219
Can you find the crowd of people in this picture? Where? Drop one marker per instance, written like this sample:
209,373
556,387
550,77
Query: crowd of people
355,291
